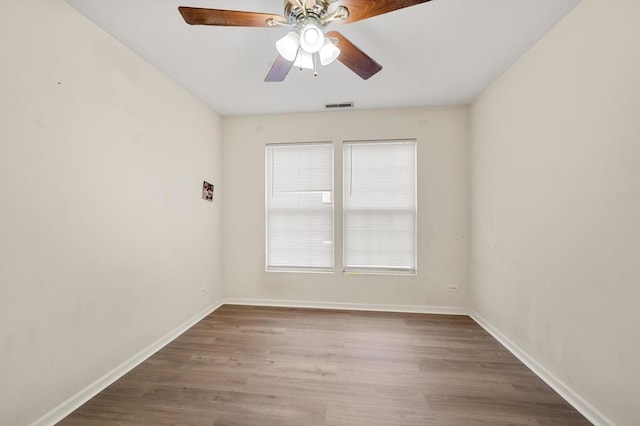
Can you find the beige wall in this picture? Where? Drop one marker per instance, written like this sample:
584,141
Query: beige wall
105,241
442,202
555,202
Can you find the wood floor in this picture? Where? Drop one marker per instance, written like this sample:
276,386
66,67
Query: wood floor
267,366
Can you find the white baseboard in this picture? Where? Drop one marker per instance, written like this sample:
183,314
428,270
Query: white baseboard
586,409
71,404
422,309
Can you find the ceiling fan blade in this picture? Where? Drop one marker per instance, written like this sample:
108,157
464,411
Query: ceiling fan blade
363,9
279,70
227,18
354,58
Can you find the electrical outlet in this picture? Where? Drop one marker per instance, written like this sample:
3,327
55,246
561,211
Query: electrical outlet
203,291
452,287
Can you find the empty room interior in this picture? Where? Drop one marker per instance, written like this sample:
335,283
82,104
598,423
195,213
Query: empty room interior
523,153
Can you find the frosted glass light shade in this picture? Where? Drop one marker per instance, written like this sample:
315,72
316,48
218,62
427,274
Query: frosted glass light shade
304,60
288,45
311,38
328,53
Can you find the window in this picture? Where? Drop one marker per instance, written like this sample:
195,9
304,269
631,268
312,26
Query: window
299,207
380,214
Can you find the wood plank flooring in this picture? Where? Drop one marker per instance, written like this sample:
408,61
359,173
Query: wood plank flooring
263,366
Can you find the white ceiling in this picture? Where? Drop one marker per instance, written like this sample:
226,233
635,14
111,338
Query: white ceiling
443,52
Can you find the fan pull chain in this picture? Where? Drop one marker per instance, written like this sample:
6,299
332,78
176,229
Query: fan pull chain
315,71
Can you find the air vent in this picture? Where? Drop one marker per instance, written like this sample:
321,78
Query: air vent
340,105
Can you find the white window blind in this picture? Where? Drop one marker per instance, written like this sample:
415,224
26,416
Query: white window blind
380,213
299,207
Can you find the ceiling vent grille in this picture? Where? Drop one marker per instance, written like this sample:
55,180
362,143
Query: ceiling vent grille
339,105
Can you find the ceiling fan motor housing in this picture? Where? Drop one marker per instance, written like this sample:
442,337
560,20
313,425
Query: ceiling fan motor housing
297,16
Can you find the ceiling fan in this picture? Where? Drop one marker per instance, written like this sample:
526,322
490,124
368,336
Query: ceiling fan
307,42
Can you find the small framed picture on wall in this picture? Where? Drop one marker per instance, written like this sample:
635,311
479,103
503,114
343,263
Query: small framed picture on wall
207,191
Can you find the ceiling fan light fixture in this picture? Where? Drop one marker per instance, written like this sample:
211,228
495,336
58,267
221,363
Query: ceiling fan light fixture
288,45
328,53
304,60
311,38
